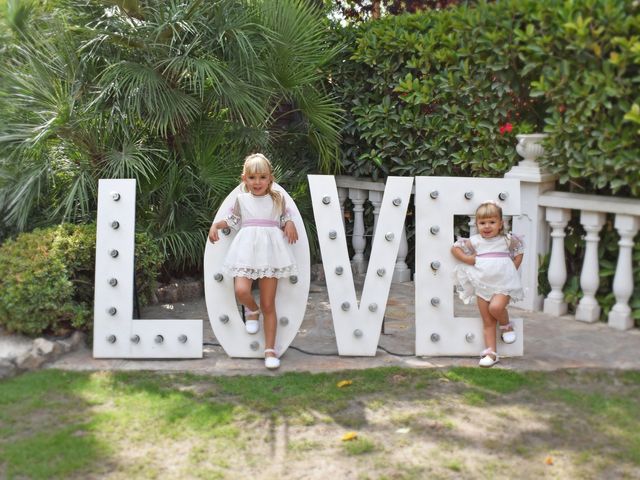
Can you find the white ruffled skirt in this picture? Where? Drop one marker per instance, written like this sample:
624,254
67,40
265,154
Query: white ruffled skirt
488,277
258,252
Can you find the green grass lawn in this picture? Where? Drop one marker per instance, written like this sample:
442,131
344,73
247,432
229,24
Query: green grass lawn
409,424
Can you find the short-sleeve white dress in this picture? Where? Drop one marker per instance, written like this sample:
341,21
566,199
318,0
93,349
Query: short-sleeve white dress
494,270
260,249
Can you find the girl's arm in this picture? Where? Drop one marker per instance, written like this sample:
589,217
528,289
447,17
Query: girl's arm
517,260
287,224
213,231
290,231
463,257
232,221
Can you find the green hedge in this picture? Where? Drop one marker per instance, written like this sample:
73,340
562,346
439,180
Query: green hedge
445,92
47,278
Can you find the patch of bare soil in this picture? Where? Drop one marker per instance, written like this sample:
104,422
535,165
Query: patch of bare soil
443,430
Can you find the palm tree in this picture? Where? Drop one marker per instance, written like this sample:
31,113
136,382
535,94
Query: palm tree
171,93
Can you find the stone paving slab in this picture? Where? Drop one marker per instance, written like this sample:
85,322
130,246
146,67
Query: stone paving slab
550,343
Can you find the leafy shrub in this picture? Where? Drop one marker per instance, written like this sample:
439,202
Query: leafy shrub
445,92
47,278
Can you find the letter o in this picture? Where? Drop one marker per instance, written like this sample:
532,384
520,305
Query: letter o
291,298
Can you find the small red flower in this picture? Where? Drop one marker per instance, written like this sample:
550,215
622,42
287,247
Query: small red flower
506,128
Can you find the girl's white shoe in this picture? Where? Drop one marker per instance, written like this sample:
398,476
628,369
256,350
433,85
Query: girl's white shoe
489,358
252,326
271,362
508,336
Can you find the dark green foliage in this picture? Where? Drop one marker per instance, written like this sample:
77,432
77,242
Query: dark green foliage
47,278
427,94
172,94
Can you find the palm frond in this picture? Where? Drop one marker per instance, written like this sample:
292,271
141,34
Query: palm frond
78,202
23,187
130,159
146,96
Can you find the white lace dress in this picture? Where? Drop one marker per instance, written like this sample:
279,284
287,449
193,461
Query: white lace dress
260,248
494,271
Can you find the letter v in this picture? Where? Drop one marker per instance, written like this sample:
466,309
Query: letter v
357,327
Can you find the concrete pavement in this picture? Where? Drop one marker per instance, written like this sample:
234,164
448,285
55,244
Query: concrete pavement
549,343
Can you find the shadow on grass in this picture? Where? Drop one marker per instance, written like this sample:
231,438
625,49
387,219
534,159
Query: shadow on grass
63,424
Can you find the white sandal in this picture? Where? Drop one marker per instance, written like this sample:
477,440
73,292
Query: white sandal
489,358
271,362
252,326
508,336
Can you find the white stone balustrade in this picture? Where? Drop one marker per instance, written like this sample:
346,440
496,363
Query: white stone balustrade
359,191
593,210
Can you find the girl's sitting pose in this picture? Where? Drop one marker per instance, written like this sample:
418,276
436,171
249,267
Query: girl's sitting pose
489,272
261,248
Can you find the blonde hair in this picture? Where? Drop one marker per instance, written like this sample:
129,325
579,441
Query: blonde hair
257,163
489,209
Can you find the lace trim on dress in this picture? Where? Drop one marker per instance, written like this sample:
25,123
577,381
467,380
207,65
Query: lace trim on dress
516,244
233,219
285,217
270,272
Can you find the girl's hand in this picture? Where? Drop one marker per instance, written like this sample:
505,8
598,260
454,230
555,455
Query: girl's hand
290,232
213,233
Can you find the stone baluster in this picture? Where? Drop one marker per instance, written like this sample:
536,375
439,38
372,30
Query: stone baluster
358,241
473,228
507,223
375,197
620,314
554,304
401,272
342,197
588,309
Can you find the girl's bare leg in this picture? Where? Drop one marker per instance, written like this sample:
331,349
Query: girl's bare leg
498,309
268,305
488,324
242,288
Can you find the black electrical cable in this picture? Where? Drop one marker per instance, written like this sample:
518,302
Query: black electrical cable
396,354
331,354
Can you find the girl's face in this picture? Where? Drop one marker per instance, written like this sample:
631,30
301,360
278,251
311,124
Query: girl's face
257,183
489,227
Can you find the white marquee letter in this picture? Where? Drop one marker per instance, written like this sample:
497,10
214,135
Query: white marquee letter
291,296
357,326
437,200
115,333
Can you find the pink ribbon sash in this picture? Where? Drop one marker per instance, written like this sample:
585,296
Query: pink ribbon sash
493,255
257,222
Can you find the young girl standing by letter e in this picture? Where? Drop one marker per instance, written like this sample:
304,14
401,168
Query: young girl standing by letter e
261,248
490,259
